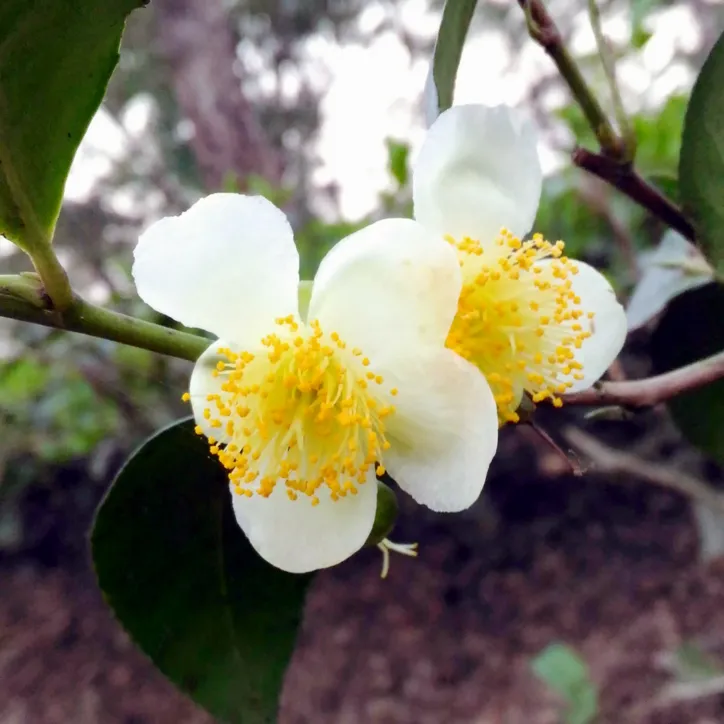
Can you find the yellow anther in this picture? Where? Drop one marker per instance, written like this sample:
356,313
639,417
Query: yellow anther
301,412
517,319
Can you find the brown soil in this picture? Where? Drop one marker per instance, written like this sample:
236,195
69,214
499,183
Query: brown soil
446,639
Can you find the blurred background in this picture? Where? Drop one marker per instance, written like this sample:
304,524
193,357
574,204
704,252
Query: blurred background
557,598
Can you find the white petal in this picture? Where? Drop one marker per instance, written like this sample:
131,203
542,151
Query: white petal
444,432
296,537
391,285
227,265
204,383
478,171
609,325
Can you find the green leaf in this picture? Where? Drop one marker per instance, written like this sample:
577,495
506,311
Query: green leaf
456,17
701,166
179,574
690,329
56,57
564,671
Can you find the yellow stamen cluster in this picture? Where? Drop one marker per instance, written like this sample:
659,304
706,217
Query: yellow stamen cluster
519,321
303,411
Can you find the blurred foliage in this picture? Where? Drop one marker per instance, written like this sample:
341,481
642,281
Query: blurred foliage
693,663
595,221
566,673
63,413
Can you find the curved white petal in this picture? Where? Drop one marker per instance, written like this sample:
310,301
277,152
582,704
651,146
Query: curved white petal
204,383
609,326
297,537
478,171
444,432
391,285
227,265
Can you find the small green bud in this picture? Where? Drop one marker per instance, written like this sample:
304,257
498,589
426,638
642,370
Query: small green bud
385,515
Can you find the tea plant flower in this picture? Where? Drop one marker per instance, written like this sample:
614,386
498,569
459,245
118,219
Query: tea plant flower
305,413
529,318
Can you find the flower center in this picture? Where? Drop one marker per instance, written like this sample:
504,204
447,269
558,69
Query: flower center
304,411
519,320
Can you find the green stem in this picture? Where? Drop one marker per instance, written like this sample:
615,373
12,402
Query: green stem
26,299
55,280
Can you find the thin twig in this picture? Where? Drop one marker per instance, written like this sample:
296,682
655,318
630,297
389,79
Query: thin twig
609,69
627,180
652,390
545,32
608,460
571,464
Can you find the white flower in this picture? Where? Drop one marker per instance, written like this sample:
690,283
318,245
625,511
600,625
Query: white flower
529,318
304,413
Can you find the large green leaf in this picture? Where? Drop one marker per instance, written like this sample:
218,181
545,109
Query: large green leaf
456,17
215,618
56,57
691,328
701,166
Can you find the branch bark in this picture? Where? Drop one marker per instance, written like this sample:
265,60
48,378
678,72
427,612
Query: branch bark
627,180
653,390
608,460
23,298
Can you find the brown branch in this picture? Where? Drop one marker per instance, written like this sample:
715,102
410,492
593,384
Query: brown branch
627,180
608,460
614,164
653,390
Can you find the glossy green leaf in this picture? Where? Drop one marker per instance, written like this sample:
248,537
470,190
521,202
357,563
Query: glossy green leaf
179,574
564,671
56,57
691,328
701,166
456,18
